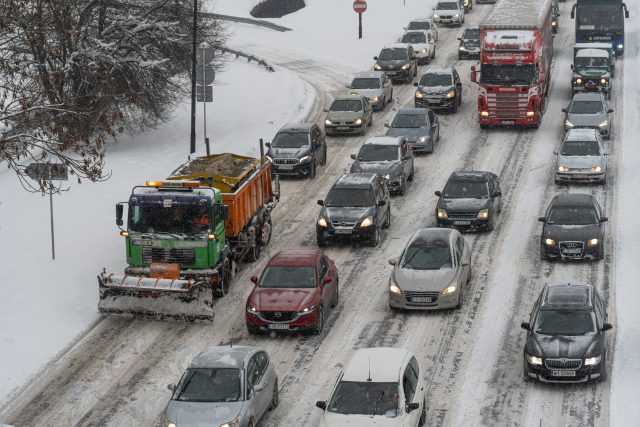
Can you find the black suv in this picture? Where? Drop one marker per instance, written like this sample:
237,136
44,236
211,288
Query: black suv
398,61
566,341
356,208
297,149
469,43
439,87
470,200
573,228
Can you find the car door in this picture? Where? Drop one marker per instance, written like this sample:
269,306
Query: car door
409,386
434,130
380,210
601,317
406,158
465,257
327,290
256,370
316,143
386,88
457,82
419,396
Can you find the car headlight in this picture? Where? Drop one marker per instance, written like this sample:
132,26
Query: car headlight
252,309
309,309
442,214
423,51
620,46
269,158
549,242
451,94
563,169
419,94
374,99
393,286
534,360
568,124
457,15
387,177
304,159
596,169
377,67
604,124
592,361
449,289
405,66
435,16
422,139
578,81
358,121
367,222
593,242
328,122
462,48
322,222
554,23
483,214
234,423
604,81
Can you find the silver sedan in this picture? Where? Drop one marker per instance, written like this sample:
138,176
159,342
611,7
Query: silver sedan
224,386
589,110
581,158
432,271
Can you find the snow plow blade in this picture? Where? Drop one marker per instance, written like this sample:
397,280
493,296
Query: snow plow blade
155,298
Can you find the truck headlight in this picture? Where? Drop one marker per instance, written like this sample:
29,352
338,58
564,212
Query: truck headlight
604,81
328,122
269,158
578,81
419,94
604,124
462,48
568,124
451,94
449,289
549,242
405,66
322,222
620,46
442,214
483,214
592,242
367,222
596,169
592,361
484,114
534,360
377,66
563,169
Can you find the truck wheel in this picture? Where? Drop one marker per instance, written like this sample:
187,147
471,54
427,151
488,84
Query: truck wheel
222,288
265,231
254,253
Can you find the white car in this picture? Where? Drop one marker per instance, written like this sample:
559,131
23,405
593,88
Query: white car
449,13
426,24
423,45
378,387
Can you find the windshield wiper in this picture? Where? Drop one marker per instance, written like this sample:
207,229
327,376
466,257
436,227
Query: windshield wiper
375,409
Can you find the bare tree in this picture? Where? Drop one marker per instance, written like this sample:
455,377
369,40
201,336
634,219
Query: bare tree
75,73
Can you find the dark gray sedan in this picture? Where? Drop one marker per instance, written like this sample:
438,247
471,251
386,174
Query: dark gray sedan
420,126
589,110
224,386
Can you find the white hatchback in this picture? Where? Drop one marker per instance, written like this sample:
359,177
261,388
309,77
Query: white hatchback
379,386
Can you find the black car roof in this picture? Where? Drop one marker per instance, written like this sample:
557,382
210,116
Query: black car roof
356,180
473,176
296,127
573,200
419,111
567,296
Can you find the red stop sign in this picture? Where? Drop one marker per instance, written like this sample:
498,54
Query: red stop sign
359,6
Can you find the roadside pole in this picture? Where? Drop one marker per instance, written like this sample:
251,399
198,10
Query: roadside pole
192,139
359,6
53,246
204,78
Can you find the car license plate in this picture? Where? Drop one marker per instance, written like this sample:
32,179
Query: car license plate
285,167
572,251
461,222
563,373
279,326
508,122
342,128
421,299
344,231
391,73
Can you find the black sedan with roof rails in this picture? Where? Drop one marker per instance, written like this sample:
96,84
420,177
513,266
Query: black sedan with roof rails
566,340
573,228
469,201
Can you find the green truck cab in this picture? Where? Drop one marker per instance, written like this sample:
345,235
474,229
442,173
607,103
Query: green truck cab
593,68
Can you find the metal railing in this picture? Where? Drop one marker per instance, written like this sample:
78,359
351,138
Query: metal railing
250,58
258,22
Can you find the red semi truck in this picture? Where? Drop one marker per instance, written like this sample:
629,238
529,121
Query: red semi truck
516,49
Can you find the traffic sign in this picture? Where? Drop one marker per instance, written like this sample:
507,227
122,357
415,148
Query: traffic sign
207,96
52,171
205,75
204,53
359,6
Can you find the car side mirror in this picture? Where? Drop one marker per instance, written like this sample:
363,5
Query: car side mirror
267,144
375,58
555,151
459,38
571,66
172,387
438,193
353,156
321,202
412,406
416,84
381,203
321,404
610,110
393,261
604,219
326,280
564,110
606,327
119,210
387,125
413,57
406,157
326,110
465,263
525,325
347,86
497,193
542,219
254,279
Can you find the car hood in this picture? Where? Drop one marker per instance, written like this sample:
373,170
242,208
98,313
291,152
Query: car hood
330,419
411,133
419,46
435,89
423,280
286,153
381,168
369,93
446,12
392,64
564,346
592,72
281,299
592,120
339,214
463,205
344,116
580,162
579,233
202,414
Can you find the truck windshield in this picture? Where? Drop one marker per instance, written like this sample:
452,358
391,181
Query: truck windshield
591,62
508,75
175,219
599,17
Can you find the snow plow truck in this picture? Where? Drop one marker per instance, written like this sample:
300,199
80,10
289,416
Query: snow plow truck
185,237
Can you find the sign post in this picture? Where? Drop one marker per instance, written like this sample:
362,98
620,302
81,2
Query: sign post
50,171
204,77
359,6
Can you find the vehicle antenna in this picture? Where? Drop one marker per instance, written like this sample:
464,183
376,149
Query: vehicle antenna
369,379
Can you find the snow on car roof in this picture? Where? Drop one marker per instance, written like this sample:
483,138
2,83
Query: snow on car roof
521,14
383,140
581,134
381,364
396,46
355,180
368,74
592,53
519,37
295,257
222,357
592,46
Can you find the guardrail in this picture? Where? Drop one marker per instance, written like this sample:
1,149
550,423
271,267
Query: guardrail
250,58
258,22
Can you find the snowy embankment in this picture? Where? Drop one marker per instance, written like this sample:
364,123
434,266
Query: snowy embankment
44,304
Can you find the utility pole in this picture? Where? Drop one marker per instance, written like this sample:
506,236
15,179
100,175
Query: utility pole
192,145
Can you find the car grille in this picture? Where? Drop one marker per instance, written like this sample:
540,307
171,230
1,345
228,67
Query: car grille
446,16
563,363
463,215
507,105
348,224
351,123
571,249
409,295
285,161
180,256
278,316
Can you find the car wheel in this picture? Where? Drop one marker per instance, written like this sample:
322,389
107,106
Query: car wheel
370,121
423,415
460,298
438,136
336,296
525,375
492,223
250,424
312,170
254,253
403,187
387,222
322,242
543,253
459,57
374,240
483,126
433,53
603,370
275,398
601,251
391,97
383,104
415,70
454,109
319,326
324,157
411,174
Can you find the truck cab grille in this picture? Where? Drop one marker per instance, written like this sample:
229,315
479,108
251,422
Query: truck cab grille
169,256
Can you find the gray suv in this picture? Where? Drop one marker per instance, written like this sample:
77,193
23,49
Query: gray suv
398,61
375,85
297,149
420,126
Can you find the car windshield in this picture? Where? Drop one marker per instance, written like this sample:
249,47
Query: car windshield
290,140
288,277
433,79
564,322
447,6
378,153
409,121
466,190
350,197
508,75
346,105
591,62
419,25
365,83
586,107
209,385
365,398
414,38
391,54
572,215
427,255
170,218
471,34
580,148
